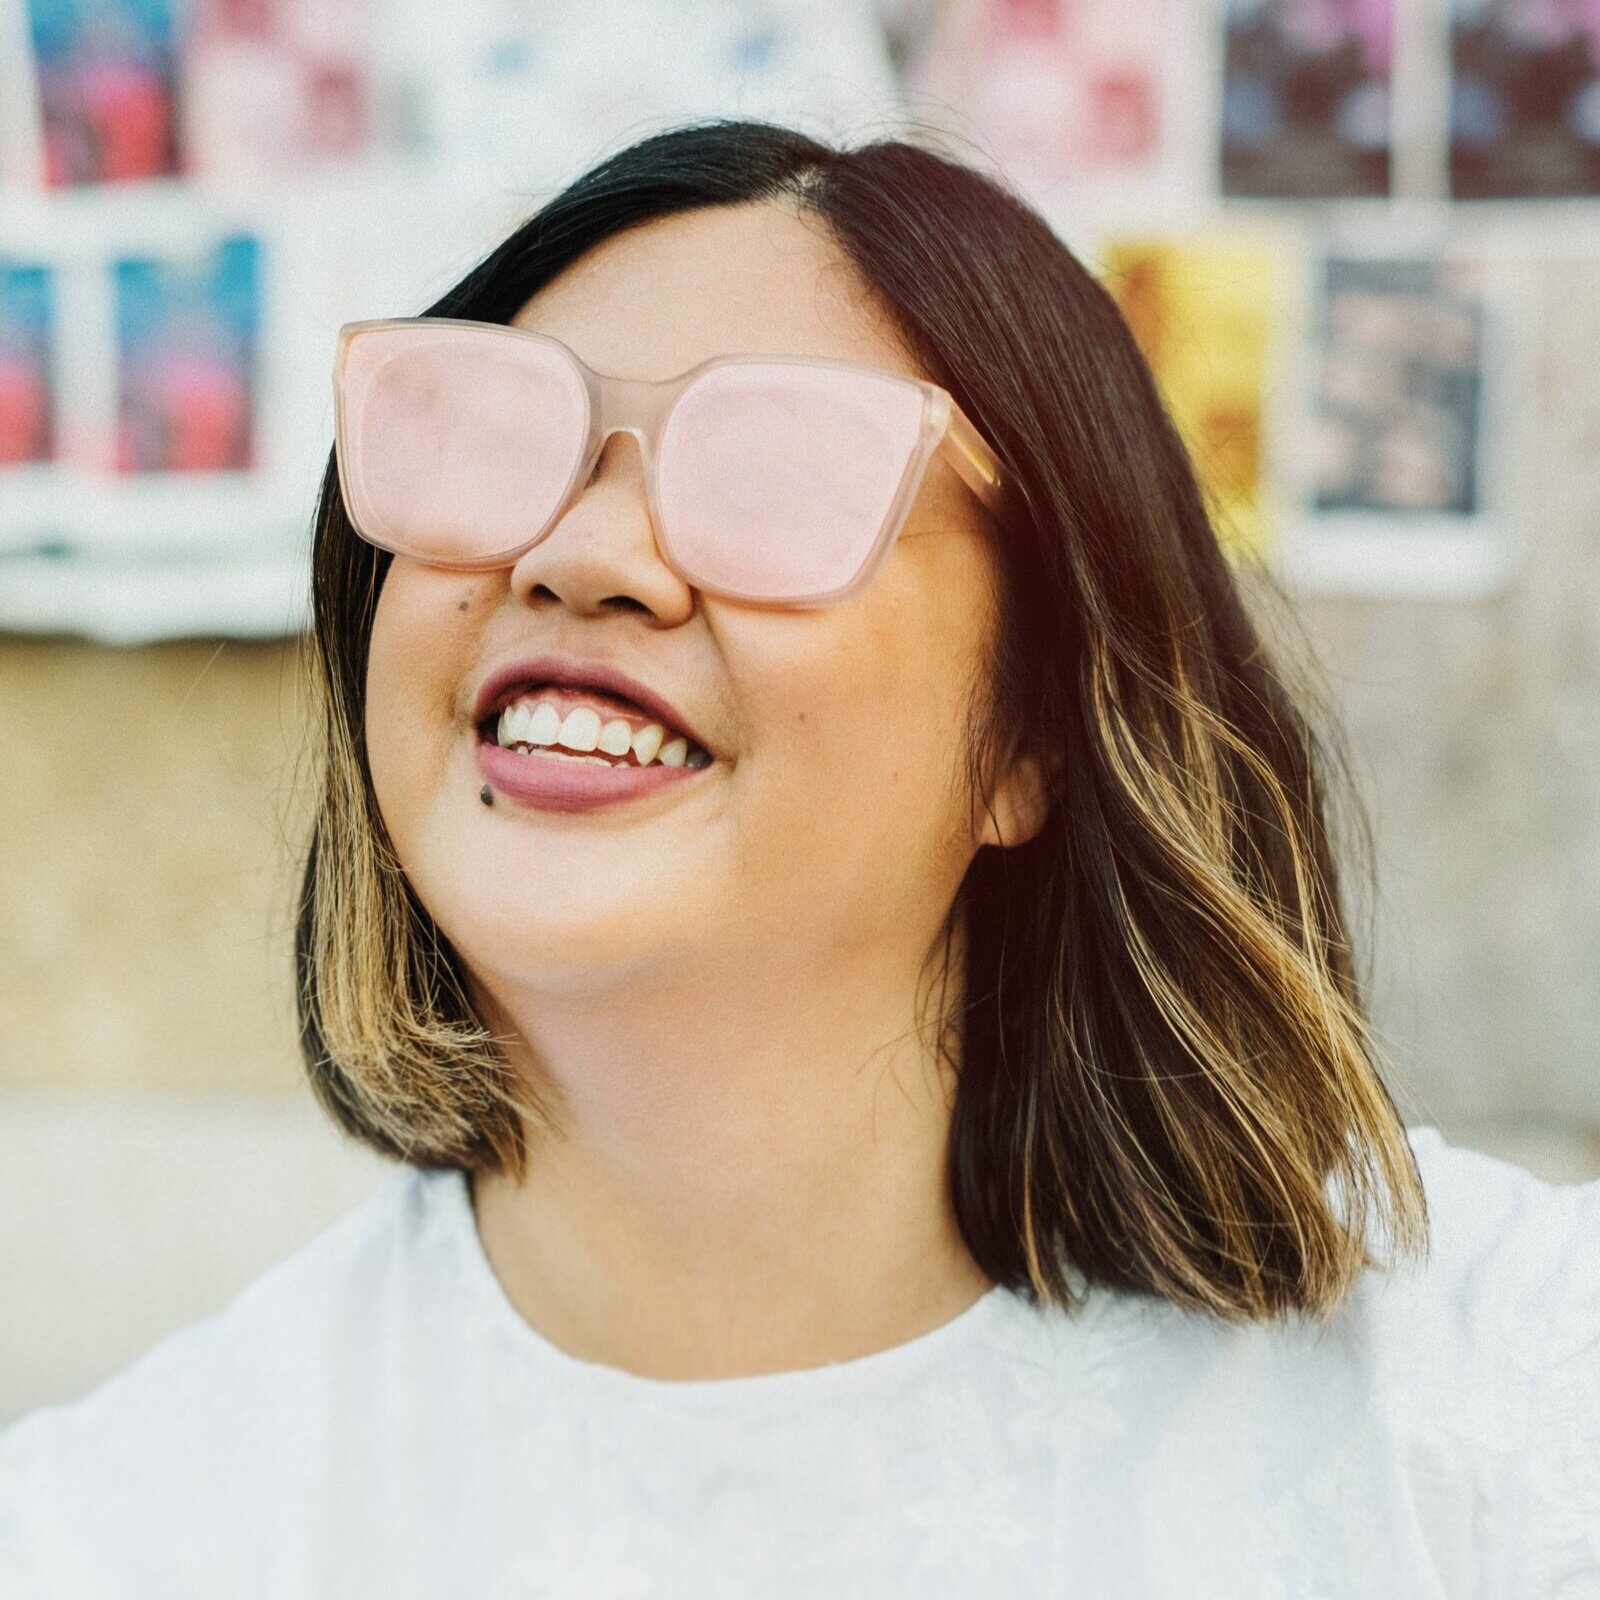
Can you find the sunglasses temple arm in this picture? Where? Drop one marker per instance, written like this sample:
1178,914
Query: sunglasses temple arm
974,461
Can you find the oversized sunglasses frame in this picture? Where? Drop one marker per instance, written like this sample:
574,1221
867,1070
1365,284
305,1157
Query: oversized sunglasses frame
641,406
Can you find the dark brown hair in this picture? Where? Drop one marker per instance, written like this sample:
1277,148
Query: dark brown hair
1166,1078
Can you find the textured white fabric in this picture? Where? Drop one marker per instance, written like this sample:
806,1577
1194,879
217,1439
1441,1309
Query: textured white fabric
374,1418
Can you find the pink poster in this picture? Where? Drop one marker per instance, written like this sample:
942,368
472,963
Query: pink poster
274,85
1057,90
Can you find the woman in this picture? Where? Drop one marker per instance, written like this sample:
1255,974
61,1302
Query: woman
889,1111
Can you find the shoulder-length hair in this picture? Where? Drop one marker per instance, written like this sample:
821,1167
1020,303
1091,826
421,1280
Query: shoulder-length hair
1166,1078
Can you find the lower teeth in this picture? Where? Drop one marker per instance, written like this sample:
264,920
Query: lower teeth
567,755
696,758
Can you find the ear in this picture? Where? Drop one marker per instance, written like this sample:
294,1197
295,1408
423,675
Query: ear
1021,802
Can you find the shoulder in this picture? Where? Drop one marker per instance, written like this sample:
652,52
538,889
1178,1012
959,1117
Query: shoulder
1442,1422
1489,1350
1513,1262
218,1413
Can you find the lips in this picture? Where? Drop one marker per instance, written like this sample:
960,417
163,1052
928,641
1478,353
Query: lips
513,678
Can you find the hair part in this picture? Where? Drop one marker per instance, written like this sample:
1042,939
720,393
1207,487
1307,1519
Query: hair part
1166,1080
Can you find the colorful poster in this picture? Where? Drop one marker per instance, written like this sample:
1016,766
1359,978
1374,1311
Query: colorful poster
27,399
1399,363
1411,359
1207,316
272,85
1056,90
107,76
187,333
1524,98
1306,98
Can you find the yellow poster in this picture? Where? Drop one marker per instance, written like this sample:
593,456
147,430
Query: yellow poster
1207,315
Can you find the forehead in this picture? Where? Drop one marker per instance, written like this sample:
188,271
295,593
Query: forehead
751,279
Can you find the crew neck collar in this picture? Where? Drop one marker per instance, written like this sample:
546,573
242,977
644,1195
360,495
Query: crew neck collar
794,1388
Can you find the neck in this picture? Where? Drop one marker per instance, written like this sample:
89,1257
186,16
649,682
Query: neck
735,1189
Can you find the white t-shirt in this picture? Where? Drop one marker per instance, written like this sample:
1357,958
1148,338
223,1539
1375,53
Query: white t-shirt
373,1418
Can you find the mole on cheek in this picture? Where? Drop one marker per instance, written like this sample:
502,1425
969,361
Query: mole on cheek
462,606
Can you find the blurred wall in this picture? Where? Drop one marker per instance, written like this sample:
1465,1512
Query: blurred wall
1479,729
150,814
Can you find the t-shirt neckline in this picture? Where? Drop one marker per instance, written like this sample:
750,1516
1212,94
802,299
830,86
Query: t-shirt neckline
793,1388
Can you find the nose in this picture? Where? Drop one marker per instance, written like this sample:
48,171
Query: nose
602,553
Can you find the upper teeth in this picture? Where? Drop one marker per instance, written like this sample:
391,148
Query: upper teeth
539,723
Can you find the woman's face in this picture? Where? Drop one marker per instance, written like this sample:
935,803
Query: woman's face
832,827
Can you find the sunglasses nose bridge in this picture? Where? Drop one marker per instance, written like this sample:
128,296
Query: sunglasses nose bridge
632,405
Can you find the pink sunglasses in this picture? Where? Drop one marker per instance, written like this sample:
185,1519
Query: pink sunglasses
776,479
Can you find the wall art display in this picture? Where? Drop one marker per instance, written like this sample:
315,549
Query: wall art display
195,194
1208,315
1399,386
1524,98
187,347
27,383
1068,97
1405,430
186,360
107,74
210,188
276,86
1306,98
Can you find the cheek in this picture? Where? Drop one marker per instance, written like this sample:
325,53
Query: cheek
860,708
412,677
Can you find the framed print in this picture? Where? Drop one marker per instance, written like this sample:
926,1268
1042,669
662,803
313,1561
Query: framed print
1306,98
107,78
1210,312
1081,103
1524,98
27,366
1408,442
187,354
274,87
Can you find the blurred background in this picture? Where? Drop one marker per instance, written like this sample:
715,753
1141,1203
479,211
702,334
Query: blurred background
1359,241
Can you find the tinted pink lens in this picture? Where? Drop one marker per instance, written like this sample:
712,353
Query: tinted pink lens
777,480
457,443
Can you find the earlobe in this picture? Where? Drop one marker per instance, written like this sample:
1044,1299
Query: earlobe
1021,804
